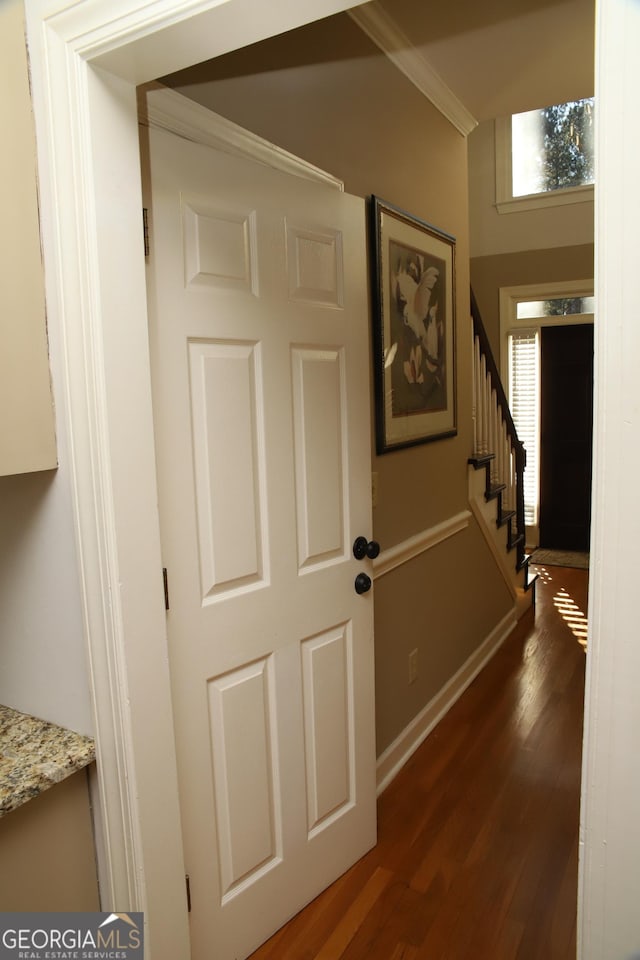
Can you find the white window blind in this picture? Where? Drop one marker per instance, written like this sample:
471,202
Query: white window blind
524,394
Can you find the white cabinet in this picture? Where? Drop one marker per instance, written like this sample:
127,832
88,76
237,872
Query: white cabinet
27,427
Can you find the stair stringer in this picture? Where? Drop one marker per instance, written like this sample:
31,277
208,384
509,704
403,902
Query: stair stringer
486,514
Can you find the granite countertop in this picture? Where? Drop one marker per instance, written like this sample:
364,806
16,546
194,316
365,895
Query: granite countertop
35,755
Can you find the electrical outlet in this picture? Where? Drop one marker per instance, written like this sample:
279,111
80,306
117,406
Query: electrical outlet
374,489
413,666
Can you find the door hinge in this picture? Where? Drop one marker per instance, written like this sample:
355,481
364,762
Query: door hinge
165,581
145,231
188,883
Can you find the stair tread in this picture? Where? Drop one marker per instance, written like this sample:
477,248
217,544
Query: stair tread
505,516
494,490
483,461
515,542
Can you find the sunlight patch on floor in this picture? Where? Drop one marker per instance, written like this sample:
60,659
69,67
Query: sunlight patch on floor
566,606
543,573
572,616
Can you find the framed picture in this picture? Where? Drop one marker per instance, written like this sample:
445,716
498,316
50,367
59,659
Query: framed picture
413,284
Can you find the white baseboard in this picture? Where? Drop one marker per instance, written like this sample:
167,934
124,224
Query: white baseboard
391,761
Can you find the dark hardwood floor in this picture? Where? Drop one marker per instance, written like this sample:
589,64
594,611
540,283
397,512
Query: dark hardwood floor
478,835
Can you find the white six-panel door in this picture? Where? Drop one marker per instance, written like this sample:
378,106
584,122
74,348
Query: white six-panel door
259,345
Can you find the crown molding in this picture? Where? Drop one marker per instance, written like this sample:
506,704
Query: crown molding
159,106
385,33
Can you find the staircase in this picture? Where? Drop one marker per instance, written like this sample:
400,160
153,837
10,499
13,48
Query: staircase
496,471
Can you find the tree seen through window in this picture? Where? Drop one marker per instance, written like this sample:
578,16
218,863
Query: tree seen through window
553,147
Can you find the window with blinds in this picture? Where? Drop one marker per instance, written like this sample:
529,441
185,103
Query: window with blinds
524,394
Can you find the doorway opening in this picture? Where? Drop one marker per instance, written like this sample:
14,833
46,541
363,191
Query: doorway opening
547,366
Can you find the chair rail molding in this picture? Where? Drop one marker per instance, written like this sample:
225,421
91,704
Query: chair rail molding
419,543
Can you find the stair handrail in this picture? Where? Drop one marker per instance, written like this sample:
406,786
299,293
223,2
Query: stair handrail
520,456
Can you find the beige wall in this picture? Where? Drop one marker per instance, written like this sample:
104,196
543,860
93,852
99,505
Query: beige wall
329,96
490,273
47,851
444,603
547,245
43,667
565,225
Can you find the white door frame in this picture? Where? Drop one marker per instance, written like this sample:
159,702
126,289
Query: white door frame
608,919
86,58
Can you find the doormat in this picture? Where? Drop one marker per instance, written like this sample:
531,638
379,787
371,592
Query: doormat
560,558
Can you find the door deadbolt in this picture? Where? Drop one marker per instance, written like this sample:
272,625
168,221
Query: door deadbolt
362,583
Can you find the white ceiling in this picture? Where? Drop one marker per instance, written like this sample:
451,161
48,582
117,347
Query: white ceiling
503,56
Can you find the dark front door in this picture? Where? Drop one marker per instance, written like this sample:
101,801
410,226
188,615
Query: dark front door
566,427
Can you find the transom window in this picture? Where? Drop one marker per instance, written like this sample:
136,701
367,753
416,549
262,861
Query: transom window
556,307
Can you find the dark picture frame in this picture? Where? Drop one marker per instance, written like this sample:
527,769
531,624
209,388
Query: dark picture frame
414,319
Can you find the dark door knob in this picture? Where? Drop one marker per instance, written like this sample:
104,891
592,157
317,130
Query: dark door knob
365,548
373,549
362,583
